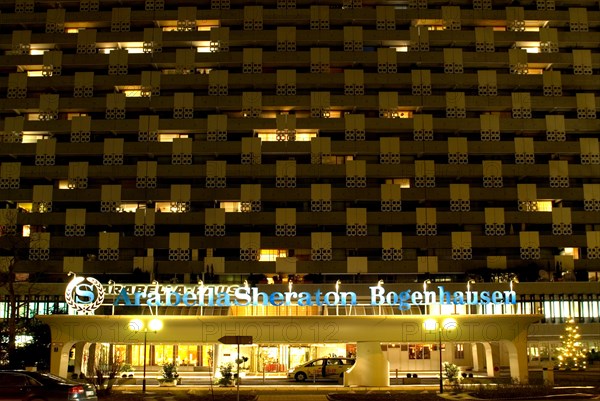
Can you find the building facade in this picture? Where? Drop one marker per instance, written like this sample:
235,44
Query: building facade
302,142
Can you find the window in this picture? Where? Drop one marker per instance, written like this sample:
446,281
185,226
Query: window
203,47
336,159
70,116
130,91
459,351
170,137
231,207
271,255
544,206
131,207
571,252
33,137
403,182
271,135
24,207
419,351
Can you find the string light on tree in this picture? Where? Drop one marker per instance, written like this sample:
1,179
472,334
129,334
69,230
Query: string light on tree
572,353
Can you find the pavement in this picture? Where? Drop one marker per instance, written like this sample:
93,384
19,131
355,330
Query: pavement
314,393
286,392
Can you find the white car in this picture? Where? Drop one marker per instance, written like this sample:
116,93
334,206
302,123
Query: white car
321,368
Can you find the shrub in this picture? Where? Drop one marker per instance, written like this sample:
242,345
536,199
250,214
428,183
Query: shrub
226,378
169,371
452,373
512,390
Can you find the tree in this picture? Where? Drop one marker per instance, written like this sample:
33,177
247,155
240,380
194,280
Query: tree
572,354
8,278
35,349
12,248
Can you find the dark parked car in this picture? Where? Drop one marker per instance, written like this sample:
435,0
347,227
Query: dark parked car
34,386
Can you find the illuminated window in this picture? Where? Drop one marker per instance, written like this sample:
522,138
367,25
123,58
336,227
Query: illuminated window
25,207
336,159
459,351
163,207
271,135
231,206
26,230
37,73
430,24
201,25
535,71
22,340
70,116
134,47
130,91
33,137
203,47
37,52
401,49
33,116
170,137
499,28
130,207
529,47
574,252
544,206
403,182
73,30
270,255
419,351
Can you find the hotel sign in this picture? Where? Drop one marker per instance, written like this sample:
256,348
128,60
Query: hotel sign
87,294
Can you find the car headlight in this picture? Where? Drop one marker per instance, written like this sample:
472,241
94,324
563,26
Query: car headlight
291,371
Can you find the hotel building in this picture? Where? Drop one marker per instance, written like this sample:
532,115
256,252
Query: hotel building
302,142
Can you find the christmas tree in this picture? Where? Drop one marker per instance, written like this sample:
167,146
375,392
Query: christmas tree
572,353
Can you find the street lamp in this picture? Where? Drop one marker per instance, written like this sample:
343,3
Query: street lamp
137,325
431,325
337,291
513,280
380,284
425,283
471,281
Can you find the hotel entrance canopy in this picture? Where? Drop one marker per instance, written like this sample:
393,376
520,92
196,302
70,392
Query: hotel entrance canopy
68,330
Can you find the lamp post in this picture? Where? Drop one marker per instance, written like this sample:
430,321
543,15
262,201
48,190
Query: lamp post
380,284
425,283
337,291
137,325
471,281
433,324
513,280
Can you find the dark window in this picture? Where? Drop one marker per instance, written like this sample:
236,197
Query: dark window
12,380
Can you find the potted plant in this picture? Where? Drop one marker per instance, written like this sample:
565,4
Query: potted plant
453,374
226,378
241,362
126,370
169,374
